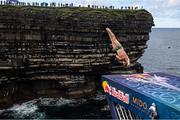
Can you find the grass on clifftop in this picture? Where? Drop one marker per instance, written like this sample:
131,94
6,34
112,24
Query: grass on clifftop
68,11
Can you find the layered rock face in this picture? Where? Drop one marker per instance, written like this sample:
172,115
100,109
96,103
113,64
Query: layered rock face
67,48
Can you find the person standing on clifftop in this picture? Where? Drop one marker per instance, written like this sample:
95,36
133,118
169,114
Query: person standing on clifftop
121,54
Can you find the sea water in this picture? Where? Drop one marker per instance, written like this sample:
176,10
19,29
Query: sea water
58,108
163,52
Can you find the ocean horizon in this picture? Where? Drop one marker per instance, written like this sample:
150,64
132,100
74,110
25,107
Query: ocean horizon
163,52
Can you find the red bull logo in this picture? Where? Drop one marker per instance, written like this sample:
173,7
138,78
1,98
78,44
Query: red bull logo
124,97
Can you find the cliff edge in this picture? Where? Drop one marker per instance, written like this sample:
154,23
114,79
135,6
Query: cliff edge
67,47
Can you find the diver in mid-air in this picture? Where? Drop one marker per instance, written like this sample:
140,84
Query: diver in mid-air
121,54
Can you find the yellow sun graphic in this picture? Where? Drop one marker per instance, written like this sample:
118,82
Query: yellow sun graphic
104,84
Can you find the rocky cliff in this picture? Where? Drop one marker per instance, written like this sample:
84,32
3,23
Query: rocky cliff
64,51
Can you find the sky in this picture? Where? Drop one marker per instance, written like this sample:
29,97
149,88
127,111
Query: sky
166,13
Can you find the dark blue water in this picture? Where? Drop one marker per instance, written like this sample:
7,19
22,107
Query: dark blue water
163,52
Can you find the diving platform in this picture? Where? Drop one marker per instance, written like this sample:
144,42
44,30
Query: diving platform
143,96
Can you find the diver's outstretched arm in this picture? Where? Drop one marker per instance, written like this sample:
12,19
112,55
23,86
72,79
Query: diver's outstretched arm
121,54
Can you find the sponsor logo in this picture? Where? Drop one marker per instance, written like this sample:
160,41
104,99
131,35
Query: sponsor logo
124,97
139,103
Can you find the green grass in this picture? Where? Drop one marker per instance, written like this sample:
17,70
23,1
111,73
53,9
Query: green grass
83,11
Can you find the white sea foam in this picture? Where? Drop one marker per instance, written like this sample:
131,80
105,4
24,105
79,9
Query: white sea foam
23,109
30,109
55,101
40,108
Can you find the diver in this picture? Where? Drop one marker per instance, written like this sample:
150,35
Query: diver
121,54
